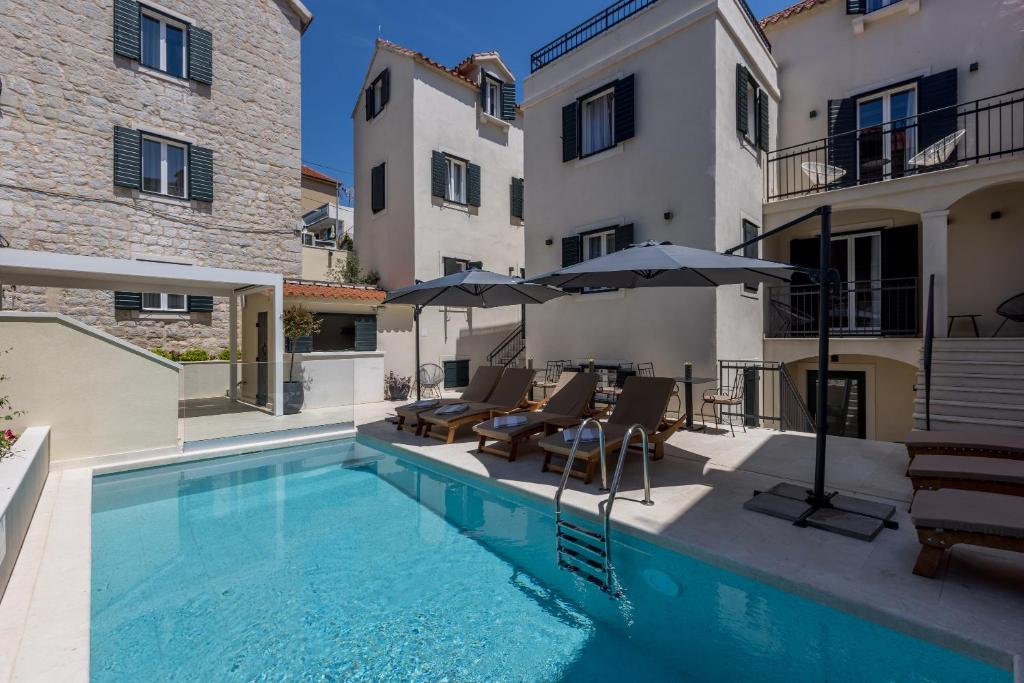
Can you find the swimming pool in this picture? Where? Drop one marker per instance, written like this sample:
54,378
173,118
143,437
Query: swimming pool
338,561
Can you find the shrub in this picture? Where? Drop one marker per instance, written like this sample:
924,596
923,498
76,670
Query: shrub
7,413
193,355
225,354
396,387
298,322
164,353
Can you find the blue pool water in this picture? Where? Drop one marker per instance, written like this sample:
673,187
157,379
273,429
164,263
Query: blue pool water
339,562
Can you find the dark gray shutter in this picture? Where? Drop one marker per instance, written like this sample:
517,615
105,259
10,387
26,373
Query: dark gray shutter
472,184
366,333
200,173
377,196
517,197
479,265
127,32
200,304
750,231
127,157
437,174
762,120
483,91
572,250
625,109
200,55
570,145
385,87
623,236
842,138
508,101
451,265
368,101
742,80
128,301
856,6
456,373
937,92
899,298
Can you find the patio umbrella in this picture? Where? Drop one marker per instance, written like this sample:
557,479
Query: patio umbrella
472,288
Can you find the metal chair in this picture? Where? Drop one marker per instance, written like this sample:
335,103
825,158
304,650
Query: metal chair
724,396
552,371
1011,309
645,369
431,377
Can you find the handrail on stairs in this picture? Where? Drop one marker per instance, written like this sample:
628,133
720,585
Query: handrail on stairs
929,338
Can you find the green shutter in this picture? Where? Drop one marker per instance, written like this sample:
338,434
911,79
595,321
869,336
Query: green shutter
127,157
855,6
625,110
128,301
368,101
437,174
456,373
200,173
385,87
127,32
762,120
200,55
508,101
200,304
366,334
472,184
742,79
572,250
377,197
623,236
570,123
517,189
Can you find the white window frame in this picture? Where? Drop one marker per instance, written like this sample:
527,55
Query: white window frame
587,146
164,22
164,306
886,97
492,96
164,143
455,191
604,235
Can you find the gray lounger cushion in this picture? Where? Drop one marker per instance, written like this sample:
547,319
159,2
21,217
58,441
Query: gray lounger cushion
1011,443
967,467
974,511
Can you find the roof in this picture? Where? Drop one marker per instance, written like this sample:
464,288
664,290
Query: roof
305,16
317,175
316,289
423,59
792,10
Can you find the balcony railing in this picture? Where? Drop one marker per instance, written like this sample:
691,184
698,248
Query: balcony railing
967,133
867,308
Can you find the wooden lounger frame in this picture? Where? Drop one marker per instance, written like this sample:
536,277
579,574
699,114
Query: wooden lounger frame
509,449
935,543
457,423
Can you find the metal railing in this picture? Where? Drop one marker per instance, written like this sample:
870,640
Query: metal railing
587,30
861,308
987,128
769,397
929,339
510,349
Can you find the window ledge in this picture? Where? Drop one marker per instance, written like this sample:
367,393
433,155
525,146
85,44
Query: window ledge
156,73
163,198
860,22
494,121
163,315
599,156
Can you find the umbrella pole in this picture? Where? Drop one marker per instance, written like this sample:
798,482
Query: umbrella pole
818,497
416,375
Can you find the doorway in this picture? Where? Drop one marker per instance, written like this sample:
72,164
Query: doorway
888,134
858,306
262,353
847,412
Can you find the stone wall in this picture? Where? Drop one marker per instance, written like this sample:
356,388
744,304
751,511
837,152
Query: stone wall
64,90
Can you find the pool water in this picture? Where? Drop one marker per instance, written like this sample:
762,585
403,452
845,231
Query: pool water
340,562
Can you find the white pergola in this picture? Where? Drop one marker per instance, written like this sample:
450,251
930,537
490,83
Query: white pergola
67,271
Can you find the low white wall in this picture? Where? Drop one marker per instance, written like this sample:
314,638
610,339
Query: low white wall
21,482
205,379
339,378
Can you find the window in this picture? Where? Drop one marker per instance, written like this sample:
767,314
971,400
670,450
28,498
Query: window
378,94
377,194
164,166
751,111
492,96
455,180
173,303
888,133
457,265
873,5
598,244
598,122
750,231
163,44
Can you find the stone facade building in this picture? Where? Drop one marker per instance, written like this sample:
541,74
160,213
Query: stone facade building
144,131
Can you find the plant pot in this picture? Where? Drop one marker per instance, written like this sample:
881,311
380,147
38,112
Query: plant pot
293,397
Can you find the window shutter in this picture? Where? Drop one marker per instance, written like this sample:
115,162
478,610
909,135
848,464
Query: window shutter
750,231
200,304
385,87
437,174
570,145
856,6
369,103
200,55
366,333
472,184
200,173
517,197
127,157
625,118
938,91
763,127
572,250
479,265
377,195
623,236
742,79
483,91
842,140
451,265
128,301
508,101
127,38
899,260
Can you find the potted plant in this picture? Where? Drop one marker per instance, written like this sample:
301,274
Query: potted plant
297,322
7,413
396,388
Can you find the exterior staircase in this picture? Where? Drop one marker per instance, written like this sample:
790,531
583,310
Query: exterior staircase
977,384
510,351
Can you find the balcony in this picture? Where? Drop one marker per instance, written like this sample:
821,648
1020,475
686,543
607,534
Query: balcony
324,227
958,135
865,308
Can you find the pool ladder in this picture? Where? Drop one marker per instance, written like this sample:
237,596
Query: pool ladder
581,551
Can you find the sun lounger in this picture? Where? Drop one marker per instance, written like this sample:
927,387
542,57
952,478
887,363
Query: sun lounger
479,389
948,517
989,444
995,475
571,401
643,400
509,395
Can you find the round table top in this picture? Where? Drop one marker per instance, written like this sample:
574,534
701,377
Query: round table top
696,380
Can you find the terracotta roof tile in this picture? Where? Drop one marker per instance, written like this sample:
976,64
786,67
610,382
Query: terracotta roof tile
419,56
329,290
313,173
786,13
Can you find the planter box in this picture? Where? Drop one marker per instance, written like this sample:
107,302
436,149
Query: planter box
21,482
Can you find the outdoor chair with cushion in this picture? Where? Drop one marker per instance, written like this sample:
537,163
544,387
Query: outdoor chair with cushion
509,431
644,401
508,396
1011,309
431,377
724,396
479,389
980,443
967,472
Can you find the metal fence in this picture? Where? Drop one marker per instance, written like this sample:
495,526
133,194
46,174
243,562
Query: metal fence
862,308
769,396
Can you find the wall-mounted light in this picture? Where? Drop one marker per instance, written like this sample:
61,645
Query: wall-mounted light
996,215
668,215
813,114
548,242
973,67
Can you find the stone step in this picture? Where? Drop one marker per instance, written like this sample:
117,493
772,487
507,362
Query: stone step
947,353
990,367
968,424
978,343
943,392
972,379
971,409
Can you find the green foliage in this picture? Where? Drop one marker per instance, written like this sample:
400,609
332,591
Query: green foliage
225,354
298,321
164,353
193,355
350,272
346,243
7,413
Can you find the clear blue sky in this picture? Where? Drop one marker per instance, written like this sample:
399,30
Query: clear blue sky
338,45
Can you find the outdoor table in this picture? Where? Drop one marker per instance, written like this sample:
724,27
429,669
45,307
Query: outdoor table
974,321
688,383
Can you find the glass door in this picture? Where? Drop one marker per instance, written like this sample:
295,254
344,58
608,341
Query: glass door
888,134
857,307
846,414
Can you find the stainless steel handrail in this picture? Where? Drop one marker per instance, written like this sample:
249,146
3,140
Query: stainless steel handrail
572,456
615,488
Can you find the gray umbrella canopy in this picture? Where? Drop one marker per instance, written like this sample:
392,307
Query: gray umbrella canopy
473,288
663,264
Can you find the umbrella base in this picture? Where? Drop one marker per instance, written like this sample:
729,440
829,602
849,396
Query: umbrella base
838,513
